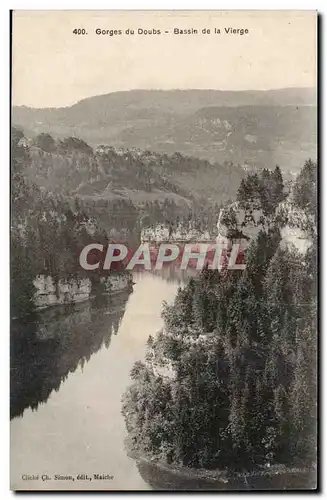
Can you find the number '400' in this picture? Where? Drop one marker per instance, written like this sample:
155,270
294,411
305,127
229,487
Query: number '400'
79,31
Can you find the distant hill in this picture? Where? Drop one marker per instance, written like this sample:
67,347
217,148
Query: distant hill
250,128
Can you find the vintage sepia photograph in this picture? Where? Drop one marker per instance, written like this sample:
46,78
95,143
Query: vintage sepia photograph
163,267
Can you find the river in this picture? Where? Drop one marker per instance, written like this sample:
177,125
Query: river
69,370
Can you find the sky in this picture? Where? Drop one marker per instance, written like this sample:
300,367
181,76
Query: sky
53,67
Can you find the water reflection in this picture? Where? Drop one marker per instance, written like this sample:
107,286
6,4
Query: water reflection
80,428
55,343
173,274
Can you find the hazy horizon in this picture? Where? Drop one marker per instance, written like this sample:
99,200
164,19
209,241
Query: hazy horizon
164,90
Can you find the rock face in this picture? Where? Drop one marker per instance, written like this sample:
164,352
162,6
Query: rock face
163,233
238,224
241,225
161,364
298,227
294,217
115,283
295,237
50,293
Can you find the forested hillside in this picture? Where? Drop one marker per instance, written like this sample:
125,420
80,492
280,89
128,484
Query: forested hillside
230,382
47,232
65,195
71,167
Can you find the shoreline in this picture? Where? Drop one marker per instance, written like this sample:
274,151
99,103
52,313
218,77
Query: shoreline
72,303
216,476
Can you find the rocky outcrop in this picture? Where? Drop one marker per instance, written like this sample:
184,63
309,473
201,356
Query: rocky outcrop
238,224
242,225
71,291
50,293
181,233
159,361
117,282
295,237
294,217
298,227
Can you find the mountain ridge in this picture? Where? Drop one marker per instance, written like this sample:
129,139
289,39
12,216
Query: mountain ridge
250,128
310,91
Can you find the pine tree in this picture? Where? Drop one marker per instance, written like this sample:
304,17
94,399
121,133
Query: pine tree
277,187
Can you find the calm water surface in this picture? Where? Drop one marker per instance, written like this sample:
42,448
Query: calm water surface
69,371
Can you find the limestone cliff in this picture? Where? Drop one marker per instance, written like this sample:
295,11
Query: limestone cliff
298,227
241,224
236,223
180,233
70,291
